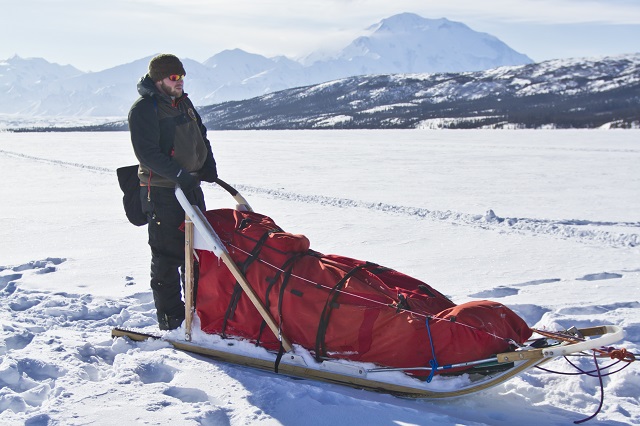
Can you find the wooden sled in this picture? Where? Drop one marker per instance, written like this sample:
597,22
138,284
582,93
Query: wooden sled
477,375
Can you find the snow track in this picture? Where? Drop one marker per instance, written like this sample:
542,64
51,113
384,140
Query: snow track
576,229
617,234
57,162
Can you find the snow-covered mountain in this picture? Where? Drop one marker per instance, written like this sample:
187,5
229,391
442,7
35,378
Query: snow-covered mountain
408,43
26,83
571,93
405,43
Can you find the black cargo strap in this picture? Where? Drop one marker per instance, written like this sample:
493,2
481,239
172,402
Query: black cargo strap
237,289
287,267
326,313
278,358
285,280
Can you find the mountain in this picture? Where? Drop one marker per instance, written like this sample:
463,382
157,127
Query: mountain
408,43
25,83
36,87
242,75
561,93
405,43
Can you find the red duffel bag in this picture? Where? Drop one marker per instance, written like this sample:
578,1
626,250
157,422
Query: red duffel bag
338,307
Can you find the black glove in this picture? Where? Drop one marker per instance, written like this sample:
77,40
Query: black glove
187,182
209,172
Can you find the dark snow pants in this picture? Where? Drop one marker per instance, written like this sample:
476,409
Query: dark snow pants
167,250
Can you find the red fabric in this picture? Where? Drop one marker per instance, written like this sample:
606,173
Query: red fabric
364,322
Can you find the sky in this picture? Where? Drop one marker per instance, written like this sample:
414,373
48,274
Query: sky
95,35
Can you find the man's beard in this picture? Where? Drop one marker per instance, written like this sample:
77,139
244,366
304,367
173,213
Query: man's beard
171,91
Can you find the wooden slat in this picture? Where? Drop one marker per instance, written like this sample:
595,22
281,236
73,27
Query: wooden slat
189,277
519,356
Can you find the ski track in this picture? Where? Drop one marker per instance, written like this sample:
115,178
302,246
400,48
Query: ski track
573,229
566,229
504,291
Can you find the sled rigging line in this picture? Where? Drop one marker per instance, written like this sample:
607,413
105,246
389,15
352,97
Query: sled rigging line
426,317
620,355
598,373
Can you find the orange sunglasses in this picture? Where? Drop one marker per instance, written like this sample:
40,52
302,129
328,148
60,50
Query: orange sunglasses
175,77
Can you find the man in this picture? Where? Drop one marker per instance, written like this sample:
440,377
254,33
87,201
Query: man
171,145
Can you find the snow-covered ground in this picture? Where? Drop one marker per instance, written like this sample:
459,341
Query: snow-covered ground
9,122
546,222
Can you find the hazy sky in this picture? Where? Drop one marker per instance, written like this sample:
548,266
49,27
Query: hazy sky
93,35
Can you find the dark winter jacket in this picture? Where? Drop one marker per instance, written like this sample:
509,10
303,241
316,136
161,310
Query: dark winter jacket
168,137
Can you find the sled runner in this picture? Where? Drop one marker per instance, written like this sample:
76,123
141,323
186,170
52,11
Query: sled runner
478,376
341,320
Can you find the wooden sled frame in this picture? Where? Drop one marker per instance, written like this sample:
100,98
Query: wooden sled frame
200,235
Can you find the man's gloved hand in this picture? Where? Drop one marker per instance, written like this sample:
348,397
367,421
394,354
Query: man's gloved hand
209,174
187,182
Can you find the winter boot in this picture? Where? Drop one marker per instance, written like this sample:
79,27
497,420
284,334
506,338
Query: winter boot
169,322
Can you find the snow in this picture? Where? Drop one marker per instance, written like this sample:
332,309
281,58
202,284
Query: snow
383,108
332,121
545,222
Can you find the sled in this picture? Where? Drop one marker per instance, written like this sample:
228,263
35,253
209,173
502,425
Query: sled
433,381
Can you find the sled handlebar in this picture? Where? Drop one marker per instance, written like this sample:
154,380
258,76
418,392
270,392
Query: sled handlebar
243,204
230,189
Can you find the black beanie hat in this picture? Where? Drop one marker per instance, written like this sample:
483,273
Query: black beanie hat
164,65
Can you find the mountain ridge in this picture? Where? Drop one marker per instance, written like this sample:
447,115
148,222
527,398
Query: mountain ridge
570,93
401,43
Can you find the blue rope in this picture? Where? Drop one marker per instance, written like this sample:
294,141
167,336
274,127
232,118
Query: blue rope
433,363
